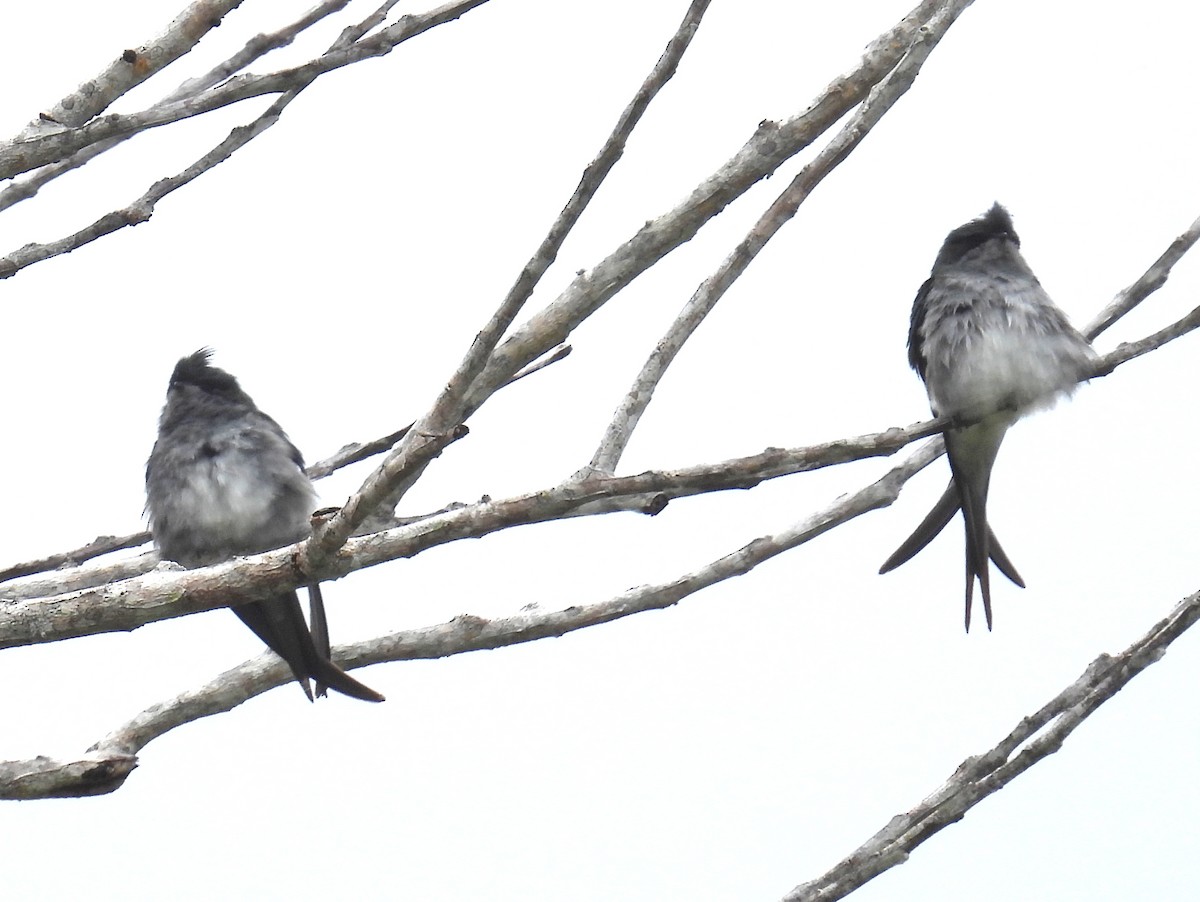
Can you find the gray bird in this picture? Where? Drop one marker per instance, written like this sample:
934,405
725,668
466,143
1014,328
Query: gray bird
224,480
988,342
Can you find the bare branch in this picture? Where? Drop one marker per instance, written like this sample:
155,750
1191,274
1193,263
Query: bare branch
46,778
131,69
66,582
72,579
384,488
111,760
979,777
377,18
462,634
355,452
107,764
1153,279
164,593
224,693
771,145
880,99
291,83
256,47
559,353
1127,351
143,208
589,184
98,546
551,326
416,450
750,470
23,156
623,493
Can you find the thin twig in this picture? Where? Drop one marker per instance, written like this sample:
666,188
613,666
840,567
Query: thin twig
129,70
108,762
1130,350
384,488
102,545
1151,280
254,49
108,607
1034,738
774,463
880,99
38,151
353,453
771,145
113,757
288,84
749,470
98,546
75,579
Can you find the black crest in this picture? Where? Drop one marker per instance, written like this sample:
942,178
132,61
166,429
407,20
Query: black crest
196,370
995,223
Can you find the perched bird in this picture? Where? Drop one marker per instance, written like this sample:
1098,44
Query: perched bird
990,346
224,480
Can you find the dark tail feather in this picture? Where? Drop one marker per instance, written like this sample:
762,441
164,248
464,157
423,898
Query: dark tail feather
279,622
326,673
972,495
319,627
275,622
935,521
978,553
1003,564
970,593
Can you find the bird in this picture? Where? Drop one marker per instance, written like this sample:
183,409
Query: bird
223,479
990,346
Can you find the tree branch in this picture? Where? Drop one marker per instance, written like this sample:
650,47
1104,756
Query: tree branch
108,762
102,545
256,47
129,70
879,100
22,156
47,778
1131,350
620,493
164,593
769,147
290,83
1151,280
552,325
114,756
741,472
98,546
1033,739
384,488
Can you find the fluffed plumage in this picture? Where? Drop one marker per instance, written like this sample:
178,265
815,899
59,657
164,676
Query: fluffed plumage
224,480
990,346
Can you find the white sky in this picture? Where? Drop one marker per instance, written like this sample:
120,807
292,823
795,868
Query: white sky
748,739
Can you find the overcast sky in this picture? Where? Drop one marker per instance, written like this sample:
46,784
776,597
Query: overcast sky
749,738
